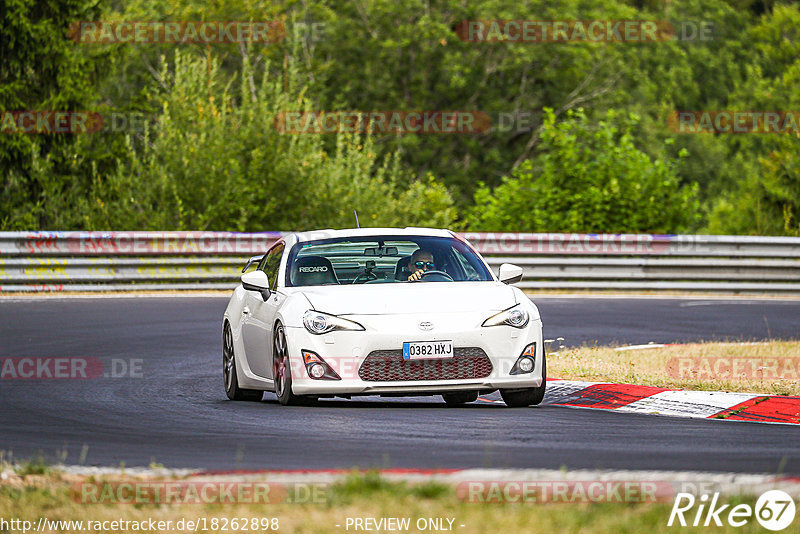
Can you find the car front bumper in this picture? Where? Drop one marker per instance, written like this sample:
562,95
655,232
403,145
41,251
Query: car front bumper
346,351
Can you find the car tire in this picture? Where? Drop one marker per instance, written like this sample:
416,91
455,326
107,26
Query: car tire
230,380
282,372
515,398
459,398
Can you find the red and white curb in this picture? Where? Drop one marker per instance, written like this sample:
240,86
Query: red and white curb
630,398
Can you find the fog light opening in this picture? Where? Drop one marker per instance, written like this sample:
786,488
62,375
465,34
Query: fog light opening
317,368
526,365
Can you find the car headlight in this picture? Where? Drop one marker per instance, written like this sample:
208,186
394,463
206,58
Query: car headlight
322,323
515,316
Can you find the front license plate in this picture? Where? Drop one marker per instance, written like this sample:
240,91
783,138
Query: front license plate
423,350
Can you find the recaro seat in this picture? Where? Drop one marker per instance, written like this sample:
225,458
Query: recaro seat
401,268
313,271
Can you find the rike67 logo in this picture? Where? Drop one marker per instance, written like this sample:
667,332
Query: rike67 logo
774,510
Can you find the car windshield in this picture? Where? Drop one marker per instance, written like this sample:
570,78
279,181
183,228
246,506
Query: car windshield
382,260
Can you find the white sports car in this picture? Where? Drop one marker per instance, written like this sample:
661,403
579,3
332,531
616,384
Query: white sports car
381,311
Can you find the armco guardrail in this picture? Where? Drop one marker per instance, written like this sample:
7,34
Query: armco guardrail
107,261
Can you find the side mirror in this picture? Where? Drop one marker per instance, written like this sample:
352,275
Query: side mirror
253,260
257,281
510,273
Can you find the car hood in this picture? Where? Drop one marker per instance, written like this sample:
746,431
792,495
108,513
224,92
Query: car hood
384,299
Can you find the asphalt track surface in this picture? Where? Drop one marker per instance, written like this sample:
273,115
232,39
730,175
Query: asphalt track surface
176,413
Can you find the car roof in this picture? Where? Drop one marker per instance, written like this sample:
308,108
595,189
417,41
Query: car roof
367,232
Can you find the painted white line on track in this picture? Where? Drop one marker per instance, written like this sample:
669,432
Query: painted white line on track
62,296
733,299
742,302
641,347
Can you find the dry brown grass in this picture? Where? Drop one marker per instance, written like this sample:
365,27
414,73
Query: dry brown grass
770,368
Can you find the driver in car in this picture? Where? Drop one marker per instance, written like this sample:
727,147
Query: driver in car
420,261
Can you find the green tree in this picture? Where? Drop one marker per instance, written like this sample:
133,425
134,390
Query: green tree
381,55
766,201
41,69
217,162
587,177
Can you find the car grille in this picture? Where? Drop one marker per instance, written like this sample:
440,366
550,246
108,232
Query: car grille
389,366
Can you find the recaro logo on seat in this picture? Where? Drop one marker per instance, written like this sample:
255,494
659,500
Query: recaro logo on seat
319,269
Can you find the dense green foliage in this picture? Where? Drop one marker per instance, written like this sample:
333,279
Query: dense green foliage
579,139
39,70
587,178
213,164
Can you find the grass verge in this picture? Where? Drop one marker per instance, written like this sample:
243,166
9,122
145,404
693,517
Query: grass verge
32,496
770,368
